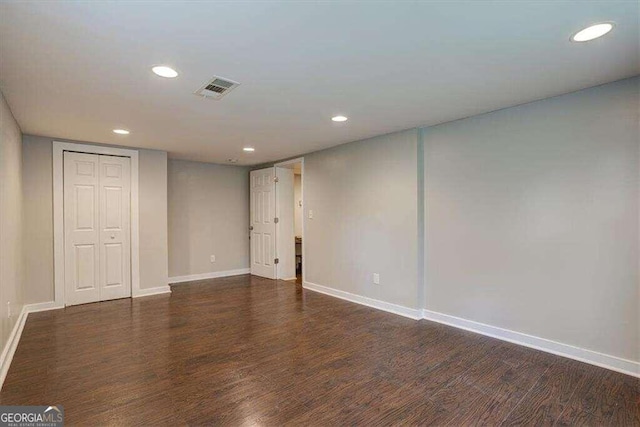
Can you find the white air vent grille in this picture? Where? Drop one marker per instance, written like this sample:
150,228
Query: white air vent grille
216,88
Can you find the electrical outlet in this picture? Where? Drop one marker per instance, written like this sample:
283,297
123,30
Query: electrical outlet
213,258
376,279
310,214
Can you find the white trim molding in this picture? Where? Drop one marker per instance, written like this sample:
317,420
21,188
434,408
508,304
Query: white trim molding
212,275
43,306
613,363
152,291
58,214
6,357
412,313
628,367
16,333
12,344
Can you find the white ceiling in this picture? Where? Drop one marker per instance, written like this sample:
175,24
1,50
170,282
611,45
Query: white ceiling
77,70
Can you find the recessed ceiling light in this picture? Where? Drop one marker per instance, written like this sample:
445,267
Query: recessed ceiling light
121,131
249,149
164,71
592,32
339,119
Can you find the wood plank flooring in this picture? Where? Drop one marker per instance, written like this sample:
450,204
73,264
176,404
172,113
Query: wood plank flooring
250,351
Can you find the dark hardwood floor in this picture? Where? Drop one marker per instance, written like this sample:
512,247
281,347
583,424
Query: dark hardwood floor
249,351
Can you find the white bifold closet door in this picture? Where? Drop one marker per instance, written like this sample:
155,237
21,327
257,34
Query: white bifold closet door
97,211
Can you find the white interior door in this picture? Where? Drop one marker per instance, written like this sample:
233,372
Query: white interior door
115,208
262,223
96,227
81,225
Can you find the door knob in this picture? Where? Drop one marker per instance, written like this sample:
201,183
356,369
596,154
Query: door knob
250,227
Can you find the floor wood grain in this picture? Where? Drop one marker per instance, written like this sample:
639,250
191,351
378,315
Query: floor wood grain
249,351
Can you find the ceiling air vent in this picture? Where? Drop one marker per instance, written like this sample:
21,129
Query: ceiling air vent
216,88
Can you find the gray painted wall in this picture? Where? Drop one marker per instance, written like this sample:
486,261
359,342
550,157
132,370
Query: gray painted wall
38,219
153,202
527,218
532,219
11,266
208,215
37,163
363,197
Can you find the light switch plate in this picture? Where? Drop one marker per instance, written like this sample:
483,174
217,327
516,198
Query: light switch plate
310,214
213,258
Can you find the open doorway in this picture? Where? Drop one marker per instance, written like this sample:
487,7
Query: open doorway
277,221
290,230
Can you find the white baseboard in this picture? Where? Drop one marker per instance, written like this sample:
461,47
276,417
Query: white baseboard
606,361
613,363
289,279
152,291
12,344
411,313
212,275
43,306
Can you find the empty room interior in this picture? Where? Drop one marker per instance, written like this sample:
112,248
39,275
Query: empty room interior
320,213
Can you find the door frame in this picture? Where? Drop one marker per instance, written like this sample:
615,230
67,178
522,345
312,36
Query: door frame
304,212
59,148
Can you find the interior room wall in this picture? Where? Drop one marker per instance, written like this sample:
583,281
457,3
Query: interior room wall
11,222
297,194
532,219
208,215
37,174
153,206
363,198
38,218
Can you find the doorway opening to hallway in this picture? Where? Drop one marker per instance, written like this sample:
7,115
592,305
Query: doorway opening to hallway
277,221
